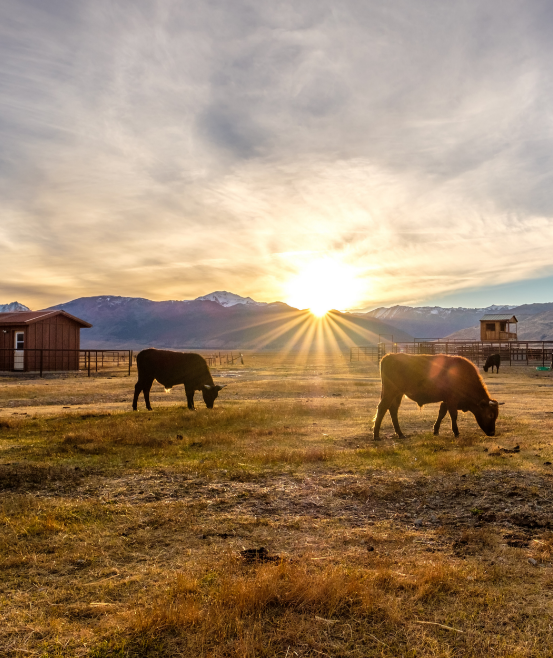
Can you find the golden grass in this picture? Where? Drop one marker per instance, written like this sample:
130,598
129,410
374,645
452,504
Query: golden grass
121,532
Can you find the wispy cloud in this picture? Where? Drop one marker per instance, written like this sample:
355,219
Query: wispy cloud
164,149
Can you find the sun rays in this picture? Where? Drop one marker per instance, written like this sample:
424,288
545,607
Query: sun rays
297,334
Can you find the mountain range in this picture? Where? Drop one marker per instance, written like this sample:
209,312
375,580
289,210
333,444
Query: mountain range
218,321
535,320
224,320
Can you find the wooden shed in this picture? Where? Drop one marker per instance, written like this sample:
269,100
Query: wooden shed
498,327
40,340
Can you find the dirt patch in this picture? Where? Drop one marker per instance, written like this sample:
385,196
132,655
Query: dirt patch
28,477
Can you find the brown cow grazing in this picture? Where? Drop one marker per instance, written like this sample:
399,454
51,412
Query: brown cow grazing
172,368
452,380
491,361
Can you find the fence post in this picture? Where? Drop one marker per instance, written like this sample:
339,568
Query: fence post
96,354
543,354
130,362
89,363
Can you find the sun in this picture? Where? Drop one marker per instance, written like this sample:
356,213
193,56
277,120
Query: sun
323,285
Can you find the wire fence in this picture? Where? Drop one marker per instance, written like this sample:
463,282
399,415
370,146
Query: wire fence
224,358
535,353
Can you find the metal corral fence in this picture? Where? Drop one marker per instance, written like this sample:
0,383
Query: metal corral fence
528,352
40,361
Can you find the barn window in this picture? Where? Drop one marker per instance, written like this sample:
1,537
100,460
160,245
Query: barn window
490,326
502,326
19,340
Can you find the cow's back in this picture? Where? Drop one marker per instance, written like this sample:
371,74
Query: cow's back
171,368
426,379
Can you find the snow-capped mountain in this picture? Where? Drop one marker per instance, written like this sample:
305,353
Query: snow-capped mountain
227,299
12,307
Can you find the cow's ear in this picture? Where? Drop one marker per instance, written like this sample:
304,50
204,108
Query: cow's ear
207,387
221,387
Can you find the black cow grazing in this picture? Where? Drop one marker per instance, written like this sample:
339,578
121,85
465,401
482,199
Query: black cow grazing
172,368
452,380
491,361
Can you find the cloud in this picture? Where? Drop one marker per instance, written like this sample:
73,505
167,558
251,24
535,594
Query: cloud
164,149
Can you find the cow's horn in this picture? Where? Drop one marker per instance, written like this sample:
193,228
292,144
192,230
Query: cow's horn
207,386
493,403
223,386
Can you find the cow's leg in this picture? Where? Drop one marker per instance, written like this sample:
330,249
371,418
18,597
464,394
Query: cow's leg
453,414
190,398
394,407
146,388
137,391
383,406
441,415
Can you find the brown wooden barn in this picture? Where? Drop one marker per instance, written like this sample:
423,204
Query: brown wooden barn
40,340
498,327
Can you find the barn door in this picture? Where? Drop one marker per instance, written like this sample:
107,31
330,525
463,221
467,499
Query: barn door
19,354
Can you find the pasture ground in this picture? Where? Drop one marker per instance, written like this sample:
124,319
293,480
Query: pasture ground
121,532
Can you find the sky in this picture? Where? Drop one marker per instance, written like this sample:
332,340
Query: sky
401,151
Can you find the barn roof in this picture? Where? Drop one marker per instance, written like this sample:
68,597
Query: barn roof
498,318
24,318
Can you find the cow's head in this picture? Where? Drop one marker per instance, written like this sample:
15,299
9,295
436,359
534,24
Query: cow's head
486,414
486,366
210,394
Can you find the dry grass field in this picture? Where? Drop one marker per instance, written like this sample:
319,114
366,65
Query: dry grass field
122,534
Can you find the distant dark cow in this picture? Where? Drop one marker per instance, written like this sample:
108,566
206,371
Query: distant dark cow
452,380
491,361
172,368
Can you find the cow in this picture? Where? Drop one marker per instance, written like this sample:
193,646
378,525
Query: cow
172,368
452,380
491,361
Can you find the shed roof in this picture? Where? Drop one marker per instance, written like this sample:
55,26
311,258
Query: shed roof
498,318
24,318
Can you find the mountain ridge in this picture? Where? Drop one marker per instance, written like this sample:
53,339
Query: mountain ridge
119,318
133,322
440,322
